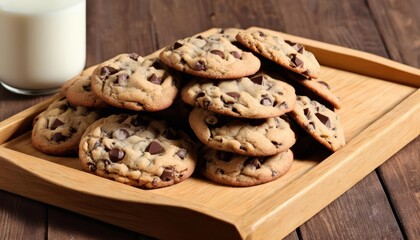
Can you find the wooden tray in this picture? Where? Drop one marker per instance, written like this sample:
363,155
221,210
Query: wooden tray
380,115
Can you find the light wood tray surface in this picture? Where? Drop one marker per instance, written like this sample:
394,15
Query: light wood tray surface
380,114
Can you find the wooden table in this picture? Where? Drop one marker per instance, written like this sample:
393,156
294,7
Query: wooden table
385,204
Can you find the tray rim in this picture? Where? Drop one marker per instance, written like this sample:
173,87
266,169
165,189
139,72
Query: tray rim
253,223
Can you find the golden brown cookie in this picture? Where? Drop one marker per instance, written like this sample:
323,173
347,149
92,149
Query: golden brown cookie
137,150
251,137
243,171
57,130
132,82
213,57
286,53
257,96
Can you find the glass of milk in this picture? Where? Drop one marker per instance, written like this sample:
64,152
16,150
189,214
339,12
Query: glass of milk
42,44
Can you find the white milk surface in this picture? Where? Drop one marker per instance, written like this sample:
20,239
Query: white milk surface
42,42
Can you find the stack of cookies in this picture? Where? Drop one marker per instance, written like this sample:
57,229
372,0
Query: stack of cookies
119,115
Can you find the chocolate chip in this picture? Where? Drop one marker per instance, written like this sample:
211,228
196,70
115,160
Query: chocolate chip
283,105
139,121
201,94
311,125
96,145
116,154
87,88
296,61
121,79
134,56
258,80
58,137
289,42
170,134
155,79
56,124
206,103
235,54
307,113
200,66
120,134
182,153
254,162
107,70
211,120
64,107
154,148
91,166
235,95
265,101
177,45
217,52
72,129
199,37
299,48
224,156
168,174
324,119
324,84
157,65
276,144
261,34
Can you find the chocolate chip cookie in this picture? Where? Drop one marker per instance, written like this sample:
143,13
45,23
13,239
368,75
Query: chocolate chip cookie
320,122
228,33
251,137
323,90
286,53
243,171
79,92
132,82
314,88
137,150
57,130
259,96
215,58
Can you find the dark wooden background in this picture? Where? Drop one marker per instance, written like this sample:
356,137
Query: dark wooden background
384,205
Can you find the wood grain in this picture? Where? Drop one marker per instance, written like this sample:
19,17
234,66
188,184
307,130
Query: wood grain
347,223
347,23
174,20
20,217
398,25
144,26
111,31
251,214
404,192
63,224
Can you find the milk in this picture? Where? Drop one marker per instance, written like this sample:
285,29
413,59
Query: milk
42,43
